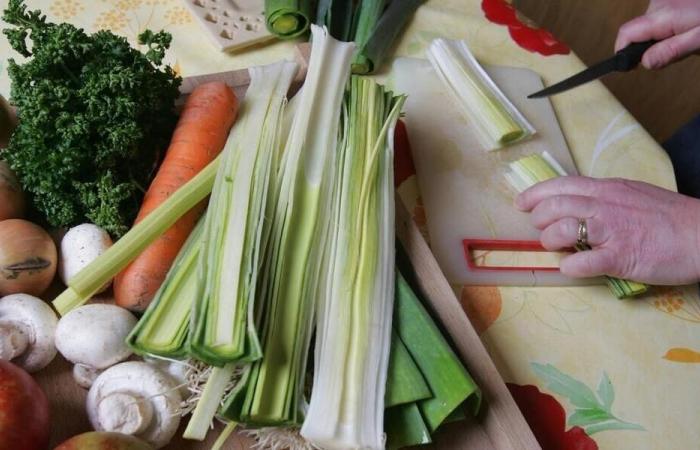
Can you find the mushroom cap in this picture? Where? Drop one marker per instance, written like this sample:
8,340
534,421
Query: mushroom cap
38,321
79,247
94,335
144,383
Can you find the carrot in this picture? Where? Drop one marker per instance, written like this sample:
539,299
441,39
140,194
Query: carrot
199,137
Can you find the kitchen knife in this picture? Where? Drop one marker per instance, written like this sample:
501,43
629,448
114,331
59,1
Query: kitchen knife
625,60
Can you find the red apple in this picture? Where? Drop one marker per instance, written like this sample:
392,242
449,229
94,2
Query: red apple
24,411
102,440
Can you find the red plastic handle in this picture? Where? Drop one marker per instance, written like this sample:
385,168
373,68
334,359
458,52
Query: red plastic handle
506,245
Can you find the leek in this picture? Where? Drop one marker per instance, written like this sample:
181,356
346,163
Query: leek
164,327
224,325
106,266
449,381
394,19
273,392
496,120
405,382
373,25
355,303
368,14
532,169
287,19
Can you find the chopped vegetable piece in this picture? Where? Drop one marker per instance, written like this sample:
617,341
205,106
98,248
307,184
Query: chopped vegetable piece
288,19
532,169
199,137
353,330
273,393
495,119
224,324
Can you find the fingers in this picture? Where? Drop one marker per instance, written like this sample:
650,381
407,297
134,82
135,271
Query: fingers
571,185
563,234
672,49
656,25
590,263
557,207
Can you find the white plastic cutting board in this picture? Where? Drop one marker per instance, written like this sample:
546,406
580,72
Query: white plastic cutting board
461,184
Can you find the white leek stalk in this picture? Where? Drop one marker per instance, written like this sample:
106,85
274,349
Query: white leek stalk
273,394
224,325
495,119
357,293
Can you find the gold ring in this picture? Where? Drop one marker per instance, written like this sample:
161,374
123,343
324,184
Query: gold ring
582,234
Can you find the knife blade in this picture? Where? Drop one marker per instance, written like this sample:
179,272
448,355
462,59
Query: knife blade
624,60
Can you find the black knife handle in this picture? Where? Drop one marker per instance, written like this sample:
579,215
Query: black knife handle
629,57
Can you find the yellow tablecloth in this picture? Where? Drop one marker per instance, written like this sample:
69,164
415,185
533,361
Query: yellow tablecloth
626,373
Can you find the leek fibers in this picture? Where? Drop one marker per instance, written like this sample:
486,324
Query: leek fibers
532,169
273,393
355,299
224,328
496,120
288,19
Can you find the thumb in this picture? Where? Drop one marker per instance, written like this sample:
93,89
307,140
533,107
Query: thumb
672,49
589,263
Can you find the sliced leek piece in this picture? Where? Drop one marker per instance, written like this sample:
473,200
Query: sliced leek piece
496,120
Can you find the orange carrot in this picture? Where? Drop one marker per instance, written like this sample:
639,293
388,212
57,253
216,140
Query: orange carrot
199,137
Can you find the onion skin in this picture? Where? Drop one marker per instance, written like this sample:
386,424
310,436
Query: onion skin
12,202
101,440
27,258
24,411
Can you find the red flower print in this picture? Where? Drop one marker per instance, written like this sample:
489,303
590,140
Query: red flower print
547,420
530,38
403,160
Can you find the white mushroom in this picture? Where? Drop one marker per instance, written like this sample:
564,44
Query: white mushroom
27,328
93,338
79,247
135,398
178,371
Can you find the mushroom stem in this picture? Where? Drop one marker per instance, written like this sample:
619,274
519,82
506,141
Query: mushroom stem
85,375
125,413
13,340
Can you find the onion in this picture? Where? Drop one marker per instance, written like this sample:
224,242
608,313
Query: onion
11,196
27,258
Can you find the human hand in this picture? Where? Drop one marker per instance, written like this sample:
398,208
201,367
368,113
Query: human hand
675,23
637,231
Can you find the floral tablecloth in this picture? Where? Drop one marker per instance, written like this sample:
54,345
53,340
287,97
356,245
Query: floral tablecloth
587,370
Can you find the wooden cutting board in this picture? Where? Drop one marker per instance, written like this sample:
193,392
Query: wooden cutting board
462,184
501,426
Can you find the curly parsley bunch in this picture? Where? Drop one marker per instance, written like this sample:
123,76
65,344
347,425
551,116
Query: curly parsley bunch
95,116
